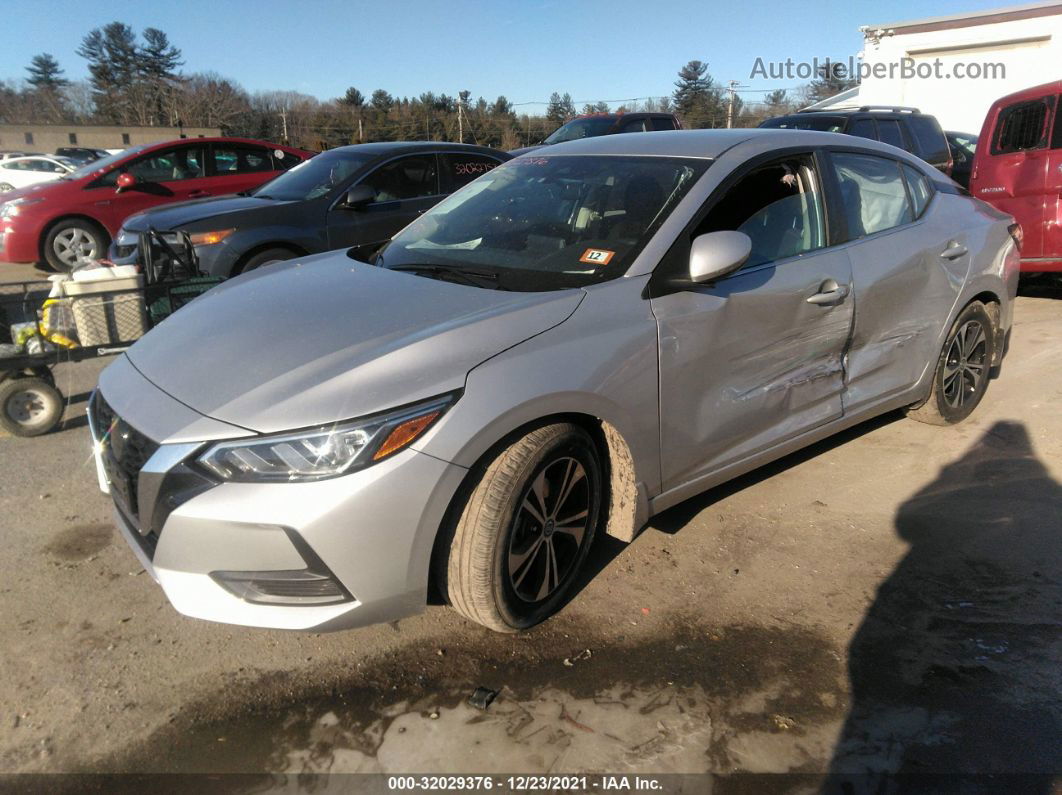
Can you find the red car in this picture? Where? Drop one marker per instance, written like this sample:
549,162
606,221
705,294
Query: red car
75,217
1018,169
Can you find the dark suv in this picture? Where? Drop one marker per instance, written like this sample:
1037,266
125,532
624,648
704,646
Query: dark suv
594,124
906,128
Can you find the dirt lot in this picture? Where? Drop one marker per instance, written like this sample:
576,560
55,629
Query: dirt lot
890,600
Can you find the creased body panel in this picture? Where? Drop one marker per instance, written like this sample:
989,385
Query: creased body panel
748,363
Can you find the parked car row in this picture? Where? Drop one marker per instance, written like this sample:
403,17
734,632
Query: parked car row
22,172
579,338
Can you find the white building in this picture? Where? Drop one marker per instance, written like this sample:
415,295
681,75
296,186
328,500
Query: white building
954,67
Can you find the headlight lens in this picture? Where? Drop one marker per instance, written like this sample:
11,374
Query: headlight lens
323,452
10,209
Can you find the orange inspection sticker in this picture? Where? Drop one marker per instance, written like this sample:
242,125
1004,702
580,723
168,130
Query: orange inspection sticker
597,256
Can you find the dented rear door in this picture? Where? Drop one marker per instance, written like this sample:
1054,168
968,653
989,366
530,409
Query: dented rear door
749,362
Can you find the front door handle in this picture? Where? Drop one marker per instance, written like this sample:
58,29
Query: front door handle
830,293
953,251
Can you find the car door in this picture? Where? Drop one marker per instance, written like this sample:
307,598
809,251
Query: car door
908,261
755,358
238,167
162,176
405,187
1018,160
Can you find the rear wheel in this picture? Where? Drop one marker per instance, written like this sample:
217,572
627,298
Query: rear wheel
73,241
526,530
962,373
29,406
6,186
267,256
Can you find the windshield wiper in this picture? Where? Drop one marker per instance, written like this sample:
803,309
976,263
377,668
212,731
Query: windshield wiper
475,278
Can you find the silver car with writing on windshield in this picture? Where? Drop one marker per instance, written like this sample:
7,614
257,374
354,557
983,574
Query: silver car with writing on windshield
573,342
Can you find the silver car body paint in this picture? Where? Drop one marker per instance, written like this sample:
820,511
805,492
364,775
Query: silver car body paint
700,385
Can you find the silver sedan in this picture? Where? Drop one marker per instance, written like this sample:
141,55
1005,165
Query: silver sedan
570,344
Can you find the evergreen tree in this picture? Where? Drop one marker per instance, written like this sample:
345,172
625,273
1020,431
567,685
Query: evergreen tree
560,109
353,98
44,73
833,78
697,98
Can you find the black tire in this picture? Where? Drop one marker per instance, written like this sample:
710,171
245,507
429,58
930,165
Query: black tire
71,240
963,369
29,406
496,531
267,256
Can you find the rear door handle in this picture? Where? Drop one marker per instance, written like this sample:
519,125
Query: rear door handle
954,251
829,293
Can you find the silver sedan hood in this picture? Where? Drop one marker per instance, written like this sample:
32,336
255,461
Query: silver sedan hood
311,342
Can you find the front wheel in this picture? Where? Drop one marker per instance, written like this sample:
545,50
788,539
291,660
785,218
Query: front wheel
525,530
71,242
6,186
963,370
29,406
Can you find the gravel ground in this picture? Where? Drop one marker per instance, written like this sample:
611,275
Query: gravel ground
888,600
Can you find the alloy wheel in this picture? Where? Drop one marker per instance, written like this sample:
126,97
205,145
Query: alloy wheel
73,245
966,364
549,529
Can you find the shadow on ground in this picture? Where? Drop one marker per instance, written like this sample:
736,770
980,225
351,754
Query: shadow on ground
955,669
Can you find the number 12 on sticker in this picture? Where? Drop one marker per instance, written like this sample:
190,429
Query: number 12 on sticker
597,256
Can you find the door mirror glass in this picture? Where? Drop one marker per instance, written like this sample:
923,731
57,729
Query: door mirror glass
124,182
717,254
358,197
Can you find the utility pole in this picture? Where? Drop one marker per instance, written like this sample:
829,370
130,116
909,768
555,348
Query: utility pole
284,121
733,84
361,136
460,119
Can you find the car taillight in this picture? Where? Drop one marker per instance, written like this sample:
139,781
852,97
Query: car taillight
1017,234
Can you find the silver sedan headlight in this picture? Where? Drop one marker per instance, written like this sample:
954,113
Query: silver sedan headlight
323,452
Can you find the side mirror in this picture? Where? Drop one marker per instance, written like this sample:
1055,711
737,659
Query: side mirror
359,196
124,182
717,254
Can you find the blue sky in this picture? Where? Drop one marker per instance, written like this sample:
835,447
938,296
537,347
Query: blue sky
593,49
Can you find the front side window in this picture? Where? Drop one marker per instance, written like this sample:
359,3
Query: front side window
1021,127
168,165
580,128
547,223
241,160
889,132
779,206
864,128
405,178
314,178
872,192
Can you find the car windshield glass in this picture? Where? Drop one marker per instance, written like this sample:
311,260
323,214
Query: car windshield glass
102,163
546,223
580,128
313,178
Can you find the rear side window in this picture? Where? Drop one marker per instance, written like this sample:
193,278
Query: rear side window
918,189
663,123
1020,127
241,160
889,132
864,128
929,141
459,169
872,192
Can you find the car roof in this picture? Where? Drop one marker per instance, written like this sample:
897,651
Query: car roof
712,143
1033,92
141,148
392,147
